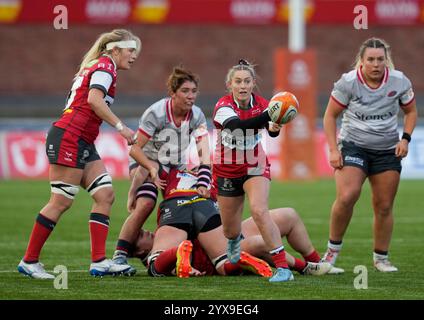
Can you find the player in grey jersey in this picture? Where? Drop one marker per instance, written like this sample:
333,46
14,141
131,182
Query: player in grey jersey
368,145
163,138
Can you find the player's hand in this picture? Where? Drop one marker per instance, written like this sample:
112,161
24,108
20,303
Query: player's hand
336,159
128,135
402,148
274,127
153,173
131,201
204,192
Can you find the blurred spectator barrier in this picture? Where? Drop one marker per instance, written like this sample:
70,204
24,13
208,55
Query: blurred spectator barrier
22,155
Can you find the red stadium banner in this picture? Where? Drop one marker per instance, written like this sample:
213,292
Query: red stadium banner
259,12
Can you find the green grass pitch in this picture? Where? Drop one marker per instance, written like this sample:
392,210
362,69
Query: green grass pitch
69,246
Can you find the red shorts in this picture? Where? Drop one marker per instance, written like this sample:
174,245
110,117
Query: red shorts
68,149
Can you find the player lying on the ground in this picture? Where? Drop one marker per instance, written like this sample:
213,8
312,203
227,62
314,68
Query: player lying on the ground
185,215
288,222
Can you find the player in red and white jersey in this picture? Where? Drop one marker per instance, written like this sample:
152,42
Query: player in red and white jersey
239,153
79,117
240,165
73,157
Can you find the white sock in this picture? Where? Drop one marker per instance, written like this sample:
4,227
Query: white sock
334,247
378,257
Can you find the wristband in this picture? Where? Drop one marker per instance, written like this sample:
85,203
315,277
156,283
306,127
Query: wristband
119,126
406,136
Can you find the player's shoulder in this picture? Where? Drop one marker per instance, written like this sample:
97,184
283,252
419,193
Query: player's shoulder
259,100
103,63
157,109
196,110
397,75
197,113
225,101
349,77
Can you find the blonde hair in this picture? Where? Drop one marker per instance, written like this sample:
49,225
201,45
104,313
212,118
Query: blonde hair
99,47
178,76
242,65
374,43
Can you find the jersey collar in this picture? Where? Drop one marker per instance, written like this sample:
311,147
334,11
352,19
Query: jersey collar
170,114
362,79
251,103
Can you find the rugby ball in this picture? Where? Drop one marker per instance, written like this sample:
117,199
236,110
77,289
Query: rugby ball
283,107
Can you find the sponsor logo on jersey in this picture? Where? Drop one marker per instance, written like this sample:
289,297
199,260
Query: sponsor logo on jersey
366,117
240,142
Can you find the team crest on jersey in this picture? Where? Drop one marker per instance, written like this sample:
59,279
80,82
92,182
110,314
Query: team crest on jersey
392,93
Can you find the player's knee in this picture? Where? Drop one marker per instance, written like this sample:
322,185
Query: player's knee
230,232
107,196
292,215
101,189
348,197
68,191
383,210
102,183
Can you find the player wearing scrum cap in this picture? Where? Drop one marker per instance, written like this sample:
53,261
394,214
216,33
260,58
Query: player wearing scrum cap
164,134
72,154
370,98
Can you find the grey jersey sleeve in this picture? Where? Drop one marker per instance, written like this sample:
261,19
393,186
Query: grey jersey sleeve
407,92
149,123
342,92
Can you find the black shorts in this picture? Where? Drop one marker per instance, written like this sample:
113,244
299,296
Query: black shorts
68,149
192,214
370,161
233,187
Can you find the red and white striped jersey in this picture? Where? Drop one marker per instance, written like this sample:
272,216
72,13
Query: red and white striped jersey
238,154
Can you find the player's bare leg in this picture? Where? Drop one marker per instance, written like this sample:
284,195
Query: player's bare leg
384,187
349,181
